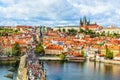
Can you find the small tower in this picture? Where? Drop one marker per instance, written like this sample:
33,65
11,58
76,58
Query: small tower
41,36
84,21
81,23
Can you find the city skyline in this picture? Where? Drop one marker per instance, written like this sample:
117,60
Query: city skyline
58,12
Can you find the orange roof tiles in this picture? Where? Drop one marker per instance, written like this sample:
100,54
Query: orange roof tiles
101,55
118,55
20,26
74,54
53,34
60,39
54,47
69,42
21,42
94,26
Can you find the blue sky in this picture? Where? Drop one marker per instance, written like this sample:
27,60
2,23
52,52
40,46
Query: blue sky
59,12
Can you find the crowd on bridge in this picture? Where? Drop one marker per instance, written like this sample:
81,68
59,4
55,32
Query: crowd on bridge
35,69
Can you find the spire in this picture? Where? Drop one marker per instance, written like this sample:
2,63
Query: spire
81,23
88,22
41,32
84,21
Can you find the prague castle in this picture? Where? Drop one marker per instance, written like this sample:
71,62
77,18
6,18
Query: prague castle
87,25
84,24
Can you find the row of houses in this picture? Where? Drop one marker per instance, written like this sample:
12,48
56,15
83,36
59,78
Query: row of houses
55,43
26,37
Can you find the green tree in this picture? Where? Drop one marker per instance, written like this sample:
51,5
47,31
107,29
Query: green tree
97,34
72,32
90,32
8,53
59,29
39,50
115,35
109,54
1,49
81,31
62,56
64,30
103,33
108,33
16,49
83,53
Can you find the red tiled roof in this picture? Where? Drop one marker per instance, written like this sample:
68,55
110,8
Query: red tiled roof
54,47
20,26
101,55
53,34
74,54
60,39
94,26
21,42
69,42
118,55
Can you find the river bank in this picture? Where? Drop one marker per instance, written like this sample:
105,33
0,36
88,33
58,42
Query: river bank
9,58
68,59
5,63
106,61
110,62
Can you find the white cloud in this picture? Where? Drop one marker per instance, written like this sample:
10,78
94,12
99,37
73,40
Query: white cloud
7,1
94,7
58,12
26,10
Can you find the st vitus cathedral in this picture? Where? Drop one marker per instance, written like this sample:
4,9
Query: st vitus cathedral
86,24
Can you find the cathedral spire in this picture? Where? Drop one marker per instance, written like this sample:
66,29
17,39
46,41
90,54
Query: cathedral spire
84,21
81,23
88,22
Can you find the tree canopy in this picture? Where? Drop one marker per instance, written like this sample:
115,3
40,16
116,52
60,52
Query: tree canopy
39,50
16,49
109,54
62,56
64,30
83,53
72,32
0,48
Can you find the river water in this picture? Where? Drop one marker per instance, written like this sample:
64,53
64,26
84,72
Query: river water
4,66
56,70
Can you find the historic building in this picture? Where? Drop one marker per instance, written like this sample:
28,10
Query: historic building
87,25
84,24
54,49
66,28
110,30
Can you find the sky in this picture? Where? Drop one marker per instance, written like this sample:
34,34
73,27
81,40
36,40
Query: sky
58,12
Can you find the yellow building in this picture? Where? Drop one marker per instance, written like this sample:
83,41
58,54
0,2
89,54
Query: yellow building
66,28
54,49
110,30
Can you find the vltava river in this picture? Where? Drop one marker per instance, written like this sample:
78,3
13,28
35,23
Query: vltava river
4,66
56,70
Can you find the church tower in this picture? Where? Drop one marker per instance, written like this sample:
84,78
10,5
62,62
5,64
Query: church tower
84,23
81,23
